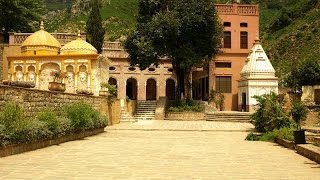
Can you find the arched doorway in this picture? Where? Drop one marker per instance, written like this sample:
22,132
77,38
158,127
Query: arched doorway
131,88
151,92
170,89
113,81
45,76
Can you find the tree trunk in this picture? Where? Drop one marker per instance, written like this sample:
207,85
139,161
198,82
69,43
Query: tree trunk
188,84
180,83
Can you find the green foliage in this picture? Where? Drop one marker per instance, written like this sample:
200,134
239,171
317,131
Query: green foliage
15,128
48,116
80,115
282,133
298,112
309,72
270,114
20,15
187,106
167,28
112,92
253,137
11,114
95,30
29,131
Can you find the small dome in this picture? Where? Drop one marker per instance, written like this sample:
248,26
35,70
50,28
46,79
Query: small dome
40,42
78,46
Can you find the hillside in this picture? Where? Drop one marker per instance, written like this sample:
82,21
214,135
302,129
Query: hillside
289,29
118,16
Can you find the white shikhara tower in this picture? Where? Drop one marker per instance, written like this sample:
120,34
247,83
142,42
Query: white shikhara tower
257,78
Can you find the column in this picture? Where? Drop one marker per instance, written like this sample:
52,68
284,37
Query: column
76,74
90,77
37,74
24,71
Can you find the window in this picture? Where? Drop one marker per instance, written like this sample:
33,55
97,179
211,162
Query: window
244,40
223,64
243,24
227,39
223,84
226,24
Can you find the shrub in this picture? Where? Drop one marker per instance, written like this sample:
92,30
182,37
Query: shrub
99,120
29,131
191,106
11,114
65,126
270,114
253,137
80,115
50,118
282,133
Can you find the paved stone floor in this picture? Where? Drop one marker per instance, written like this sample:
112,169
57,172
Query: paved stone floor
220,152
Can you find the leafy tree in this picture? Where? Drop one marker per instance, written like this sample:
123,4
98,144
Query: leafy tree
185,31
95,30
307,73
20,15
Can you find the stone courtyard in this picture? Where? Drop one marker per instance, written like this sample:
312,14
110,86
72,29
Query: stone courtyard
163,150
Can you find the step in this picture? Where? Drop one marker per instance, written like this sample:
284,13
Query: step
229,120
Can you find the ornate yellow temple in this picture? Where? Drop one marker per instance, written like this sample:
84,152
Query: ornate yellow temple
41,54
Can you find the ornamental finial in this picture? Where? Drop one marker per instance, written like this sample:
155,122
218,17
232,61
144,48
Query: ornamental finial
41,26
79,34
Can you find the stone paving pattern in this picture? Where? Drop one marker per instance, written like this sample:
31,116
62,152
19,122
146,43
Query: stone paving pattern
155,154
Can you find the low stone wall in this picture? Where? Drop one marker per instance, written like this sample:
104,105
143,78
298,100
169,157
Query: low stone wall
310,151
20,148
307,150
33,101
285,143
188,116
160,109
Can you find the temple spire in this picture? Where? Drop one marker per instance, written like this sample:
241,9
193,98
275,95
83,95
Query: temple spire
257,40
79,33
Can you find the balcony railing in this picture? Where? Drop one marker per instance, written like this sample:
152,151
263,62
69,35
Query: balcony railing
63,38
236,9
114,50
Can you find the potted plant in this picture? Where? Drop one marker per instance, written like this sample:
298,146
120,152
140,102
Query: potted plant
104,89
220,101
299,113
57,84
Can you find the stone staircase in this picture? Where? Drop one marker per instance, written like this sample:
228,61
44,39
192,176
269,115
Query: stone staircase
312,134
228,116
145,110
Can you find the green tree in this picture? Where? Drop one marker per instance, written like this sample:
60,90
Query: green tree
307,73
95,30
186,31
20,15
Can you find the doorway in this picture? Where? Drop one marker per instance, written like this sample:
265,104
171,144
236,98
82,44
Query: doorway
151,92
170,89
244,102
131,88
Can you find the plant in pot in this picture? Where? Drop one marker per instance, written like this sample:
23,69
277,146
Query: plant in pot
57,84
299,113
104,89
220,101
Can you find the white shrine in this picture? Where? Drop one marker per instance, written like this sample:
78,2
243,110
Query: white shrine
257,78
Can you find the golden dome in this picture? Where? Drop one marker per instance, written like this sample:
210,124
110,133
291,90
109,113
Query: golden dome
78,46
40,42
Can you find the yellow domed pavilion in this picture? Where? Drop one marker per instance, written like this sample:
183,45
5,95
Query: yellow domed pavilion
41,54
78,46
40,43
